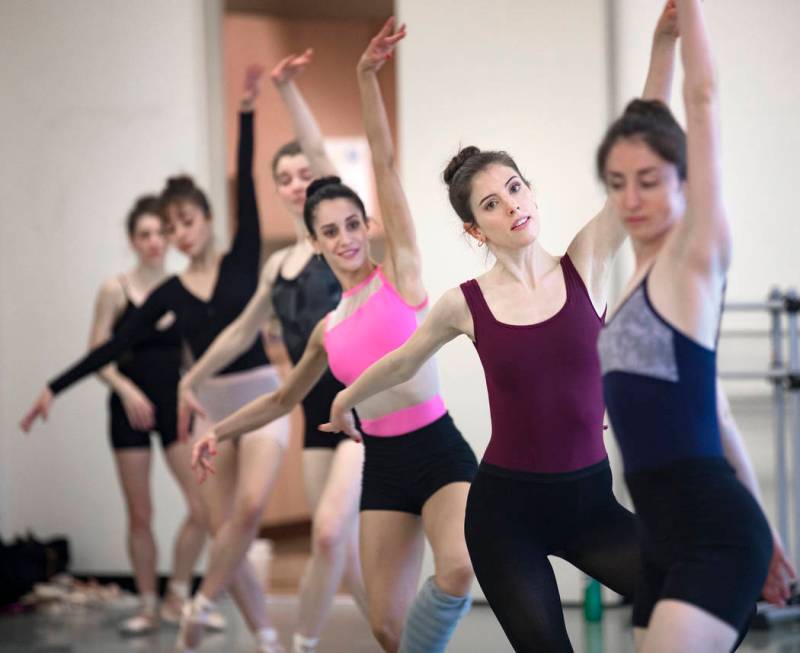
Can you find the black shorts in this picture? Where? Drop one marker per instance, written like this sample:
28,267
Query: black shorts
124,436
705,540
402,472
317,410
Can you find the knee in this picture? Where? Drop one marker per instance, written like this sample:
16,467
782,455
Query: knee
386,633
247,514
140,519
455,578
328,536
196,516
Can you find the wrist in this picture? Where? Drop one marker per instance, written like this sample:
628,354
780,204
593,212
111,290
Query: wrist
665,41
365,70
341,403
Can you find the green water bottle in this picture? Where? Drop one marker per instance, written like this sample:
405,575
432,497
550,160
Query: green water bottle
592,600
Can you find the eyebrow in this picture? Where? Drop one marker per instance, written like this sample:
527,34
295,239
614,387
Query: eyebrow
333,224
504,185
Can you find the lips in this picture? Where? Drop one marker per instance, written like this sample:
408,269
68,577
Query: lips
348,253
520,223
635,219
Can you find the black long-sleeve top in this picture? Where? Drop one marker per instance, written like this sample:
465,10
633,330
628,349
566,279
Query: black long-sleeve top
197,321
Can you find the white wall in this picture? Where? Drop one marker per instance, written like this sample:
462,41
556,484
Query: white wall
529,77
101,101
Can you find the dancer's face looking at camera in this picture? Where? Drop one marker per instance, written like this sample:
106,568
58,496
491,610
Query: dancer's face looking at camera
341,234
148,239
504,208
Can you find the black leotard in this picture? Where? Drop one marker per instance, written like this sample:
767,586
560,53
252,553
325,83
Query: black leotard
299,304
153,364
198,322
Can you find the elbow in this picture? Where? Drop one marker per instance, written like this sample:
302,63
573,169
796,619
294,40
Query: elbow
700,93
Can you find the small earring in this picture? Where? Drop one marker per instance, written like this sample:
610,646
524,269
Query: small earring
481,243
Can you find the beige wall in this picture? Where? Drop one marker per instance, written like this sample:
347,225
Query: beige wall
102,101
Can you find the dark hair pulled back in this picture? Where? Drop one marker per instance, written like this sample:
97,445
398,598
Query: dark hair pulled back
292,148
183,189
328,188
652,122
462,169
144,205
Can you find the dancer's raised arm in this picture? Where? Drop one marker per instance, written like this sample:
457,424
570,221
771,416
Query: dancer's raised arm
403,266
658,85
304,123
594,247
704,234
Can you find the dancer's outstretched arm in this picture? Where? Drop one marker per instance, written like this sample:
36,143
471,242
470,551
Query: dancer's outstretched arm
449,318
305,125
403,264
594,247
303,377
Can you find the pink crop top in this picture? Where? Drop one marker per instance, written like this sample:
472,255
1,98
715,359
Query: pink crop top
372,320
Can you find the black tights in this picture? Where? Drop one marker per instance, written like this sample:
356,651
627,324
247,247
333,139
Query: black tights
516,519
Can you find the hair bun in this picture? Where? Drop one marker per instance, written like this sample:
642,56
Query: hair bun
180,184
315,185
457,161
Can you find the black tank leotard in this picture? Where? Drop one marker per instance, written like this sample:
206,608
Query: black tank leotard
153,364
299,304
197,321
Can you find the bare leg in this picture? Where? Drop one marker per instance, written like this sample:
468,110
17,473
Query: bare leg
444,598
443,520
133,469
333,485
235,499
191,535
676,626
258,460
392,545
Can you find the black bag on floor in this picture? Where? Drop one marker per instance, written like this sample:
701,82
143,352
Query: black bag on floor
28,561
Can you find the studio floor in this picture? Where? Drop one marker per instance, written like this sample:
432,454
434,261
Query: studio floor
94,631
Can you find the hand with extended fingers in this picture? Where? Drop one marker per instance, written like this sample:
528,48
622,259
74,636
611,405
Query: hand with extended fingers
188,406
777,587
40,408
667,25
252,85
381,47
290,67
202,453
341,421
